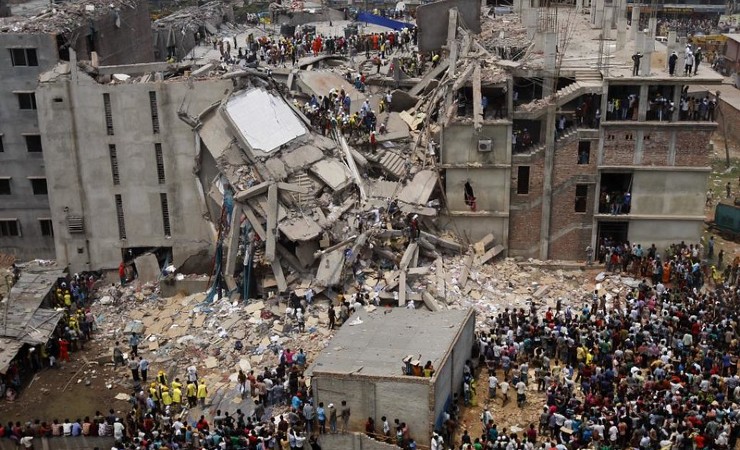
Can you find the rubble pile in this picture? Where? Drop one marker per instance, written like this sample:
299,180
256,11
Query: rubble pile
64,17
209,15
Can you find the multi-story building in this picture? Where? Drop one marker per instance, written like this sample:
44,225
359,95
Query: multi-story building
575,146
120,165
117,33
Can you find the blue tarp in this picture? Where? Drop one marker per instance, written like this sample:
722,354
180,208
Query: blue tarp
383,21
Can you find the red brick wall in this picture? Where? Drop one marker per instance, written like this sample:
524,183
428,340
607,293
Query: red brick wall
567,173
619,150
525,213
692,148
655,147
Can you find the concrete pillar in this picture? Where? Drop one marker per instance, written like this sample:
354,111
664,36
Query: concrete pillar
529,20
597,13
519,6
676,101
509,101
681,55
647,50
549,42
547,182
643,103
635,23
579,6
652,26
607,20
621,32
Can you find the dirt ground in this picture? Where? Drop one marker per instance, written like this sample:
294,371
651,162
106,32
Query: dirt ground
63,393
721,174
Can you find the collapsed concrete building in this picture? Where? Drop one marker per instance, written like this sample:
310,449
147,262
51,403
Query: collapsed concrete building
285,208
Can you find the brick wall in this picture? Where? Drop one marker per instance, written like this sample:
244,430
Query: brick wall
656,147
692,148
618,148
728,120
570,231
525,212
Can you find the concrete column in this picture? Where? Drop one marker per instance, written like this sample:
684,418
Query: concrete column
547,182
670,47
635,25
519,6
509,102
621,32
579,6
652,26
597,13
676,101
681,55
529,20
549,43
643,103
608,18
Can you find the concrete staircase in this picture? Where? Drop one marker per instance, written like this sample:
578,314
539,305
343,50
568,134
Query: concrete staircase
537,149
393,164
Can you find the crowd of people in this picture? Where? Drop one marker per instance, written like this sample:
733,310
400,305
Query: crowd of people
653,369
71,295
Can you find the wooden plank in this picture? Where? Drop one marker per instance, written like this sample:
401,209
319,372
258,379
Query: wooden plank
418,271
272,213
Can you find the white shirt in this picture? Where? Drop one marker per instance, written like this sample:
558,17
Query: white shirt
492,382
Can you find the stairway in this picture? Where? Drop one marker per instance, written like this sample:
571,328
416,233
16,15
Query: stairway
540,147
393,164
303,180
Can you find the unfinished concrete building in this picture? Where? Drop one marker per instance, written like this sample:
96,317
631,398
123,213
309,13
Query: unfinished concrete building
556,80
31,43
363,365
120,162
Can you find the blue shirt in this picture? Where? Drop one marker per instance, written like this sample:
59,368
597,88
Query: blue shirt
320,413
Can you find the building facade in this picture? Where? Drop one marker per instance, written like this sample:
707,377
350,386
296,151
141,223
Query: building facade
120,165
29,47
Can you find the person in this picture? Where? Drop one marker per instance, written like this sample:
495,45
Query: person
728,188
344,414
636,63
202,393
134,366
370,427
134,343
117,355
332,418
191,394
710,196
698,56
241,379
144,368
321,416
122,273
672,63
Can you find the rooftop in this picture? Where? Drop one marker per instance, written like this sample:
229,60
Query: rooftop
377,345
38,16
265,121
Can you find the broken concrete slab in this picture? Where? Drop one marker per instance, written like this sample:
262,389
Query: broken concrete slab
330,268
481,246
301,157
147,268
420,188
332,172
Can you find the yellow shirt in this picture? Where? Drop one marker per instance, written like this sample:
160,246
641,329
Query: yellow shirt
176,395
166,398
190,392
202,391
